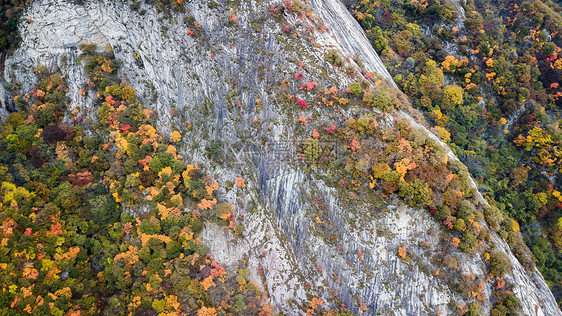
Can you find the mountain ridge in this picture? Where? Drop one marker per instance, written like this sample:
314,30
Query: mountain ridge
171,68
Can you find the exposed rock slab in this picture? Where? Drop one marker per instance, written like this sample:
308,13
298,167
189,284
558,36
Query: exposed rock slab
195,75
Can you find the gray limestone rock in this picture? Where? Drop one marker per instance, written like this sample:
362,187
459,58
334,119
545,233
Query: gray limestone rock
200,80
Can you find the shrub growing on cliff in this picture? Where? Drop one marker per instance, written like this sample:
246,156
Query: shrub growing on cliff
366,124
474,309
466,210
418,193
442,213
334,58
509,304
312,150
355,88
499,264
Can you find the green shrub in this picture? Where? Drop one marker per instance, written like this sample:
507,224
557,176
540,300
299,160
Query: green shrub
366,124
442,212
499,264
334,58
312,150
474,309
465,211
417,192
459,224
150,226
356,88
378,39
469,242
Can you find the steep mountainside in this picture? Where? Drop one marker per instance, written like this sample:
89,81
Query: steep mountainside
228,76
503,61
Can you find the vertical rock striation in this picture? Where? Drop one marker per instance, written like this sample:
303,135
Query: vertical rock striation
199,81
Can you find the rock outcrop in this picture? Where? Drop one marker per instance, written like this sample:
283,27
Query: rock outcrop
199,81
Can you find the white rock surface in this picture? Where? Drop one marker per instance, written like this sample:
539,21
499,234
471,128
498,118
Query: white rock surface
204,77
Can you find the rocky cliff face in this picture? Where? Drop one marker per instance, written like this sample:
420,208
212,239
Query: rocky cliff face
207,85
